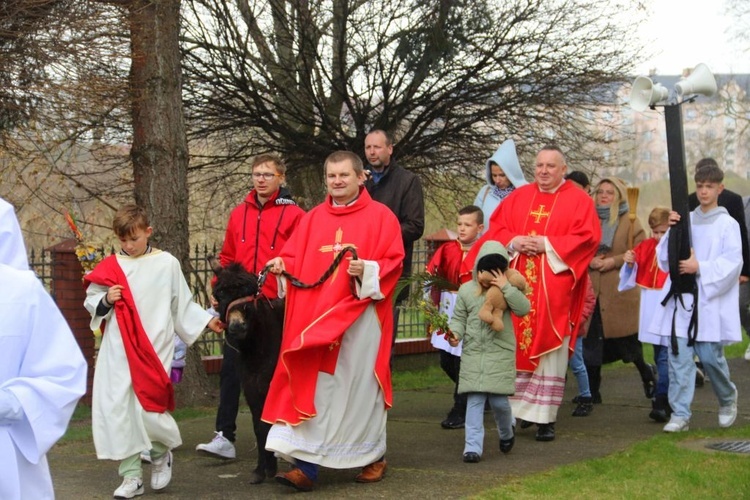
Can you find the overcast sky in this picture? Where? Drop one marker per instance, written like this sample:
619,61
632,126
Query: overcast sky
684,33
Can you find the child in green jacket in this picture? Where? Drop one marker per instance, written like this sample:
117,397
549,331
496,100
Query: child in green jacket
488,359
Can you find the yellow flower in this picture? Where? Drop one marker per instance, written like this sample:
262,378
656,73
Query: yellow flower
88,255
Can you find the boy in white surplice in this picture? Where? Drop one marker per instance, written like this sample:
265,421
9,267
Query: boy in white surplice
715,260
144,298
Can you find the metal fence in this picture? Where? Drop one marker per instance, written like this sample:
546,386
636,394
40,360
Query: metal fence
40,261
411,324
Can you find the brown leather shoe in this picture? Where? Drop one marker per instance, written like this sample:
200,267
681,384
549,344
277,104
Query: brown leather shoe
372,473
296,479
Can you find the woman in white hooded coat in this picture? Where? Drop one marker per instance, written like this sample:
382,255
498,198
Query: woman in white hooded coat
503,174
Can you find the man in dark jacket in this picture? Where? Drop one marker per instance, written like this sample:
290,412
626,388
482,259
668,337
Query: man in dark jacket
401,191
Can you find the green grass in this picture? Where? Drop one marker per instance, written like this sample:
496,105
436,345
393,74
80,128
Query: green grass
660,467
420,380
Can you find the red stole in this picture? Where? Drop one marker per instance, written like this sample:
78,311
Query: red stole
150,381
648,274
568,220
316,319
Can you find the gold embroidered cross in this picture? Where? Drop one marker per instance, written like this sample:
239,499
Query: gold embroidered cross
334,345
539,213
337,245
336,248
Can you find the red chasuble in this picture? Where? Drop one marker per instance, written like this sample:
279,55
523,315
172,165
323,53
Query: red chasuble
316,319
446,263
568,219
648,275
150,381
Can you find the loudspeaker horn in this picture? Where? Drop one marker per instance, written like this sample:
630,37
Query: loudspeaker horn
700,81
646,93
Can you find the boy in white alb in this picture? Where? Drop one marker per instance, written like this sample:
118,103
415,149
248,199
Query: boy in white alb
716,261
145,300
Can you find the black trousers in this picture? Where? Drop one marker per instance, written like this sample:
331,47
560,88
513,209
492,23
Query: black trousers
229,394
451,365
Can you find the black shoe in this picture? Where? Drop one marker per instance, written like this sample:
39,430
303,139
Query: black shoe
507,444
471,458
660,409
595,398
453,422
649,383
546,432
658,415
584,408
524,424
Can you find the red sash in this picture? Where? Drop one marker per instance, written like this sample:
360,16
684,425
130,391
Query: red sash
150,381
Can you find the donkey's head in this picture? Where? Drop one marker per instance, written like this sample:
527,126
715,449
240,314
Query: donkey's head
235,290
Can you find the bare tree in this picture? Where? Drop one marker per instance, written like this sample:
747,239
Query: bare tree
739,12
450,79
112,77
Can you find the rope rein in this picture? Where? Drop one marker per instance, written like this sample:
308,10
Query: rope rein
296,282
299,284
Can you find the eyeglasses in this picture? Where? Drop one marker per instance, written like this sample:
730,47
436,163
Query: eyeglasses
264,175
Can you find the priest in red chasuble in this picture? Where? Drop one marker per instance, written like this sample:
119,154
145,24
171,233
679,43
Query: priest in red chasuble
553,232
332,386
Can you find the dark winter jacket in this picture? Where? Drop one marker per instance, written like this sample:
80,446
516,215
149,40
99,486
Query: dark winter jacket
401,191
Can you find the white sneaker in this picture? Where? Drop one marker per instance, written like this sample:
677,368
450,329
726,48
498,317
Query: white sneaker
161,471
219,446
728,414
130,487
146,457
677,424
747,353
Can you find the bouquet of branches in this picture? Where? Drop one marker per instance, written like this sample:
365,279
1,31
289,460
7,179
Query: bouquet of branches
421,284
89,254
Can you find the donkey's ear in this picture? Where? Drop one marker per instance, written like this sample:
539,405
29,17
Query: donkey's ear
215,265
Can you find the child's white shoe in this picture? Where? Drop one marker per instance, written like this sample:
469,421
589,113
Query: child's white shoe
161,471
677,424
130,487
728,414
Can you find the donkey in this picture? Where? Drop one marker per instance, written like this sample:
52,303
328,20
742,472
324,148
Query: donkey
254,326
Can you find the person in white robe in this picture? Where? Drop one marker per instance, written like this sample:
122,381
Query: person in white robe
42,375
716,261
12,248
122,428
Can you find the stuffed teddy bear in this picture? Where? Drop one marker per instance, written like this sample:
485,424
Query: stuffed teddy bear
494,305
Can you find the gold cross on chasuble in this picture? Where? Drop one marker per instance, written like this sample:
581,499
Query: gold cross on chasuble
539,213
336,248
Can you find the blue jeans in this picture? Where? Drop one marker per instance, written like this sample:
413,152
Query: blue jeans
661,353
500,405
682,375
579,370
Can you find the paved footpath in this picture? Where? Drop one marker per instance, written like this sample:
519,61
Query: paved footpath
424,459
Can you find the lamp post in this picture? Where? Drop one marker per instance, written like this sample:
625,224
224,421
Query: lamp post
645,94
